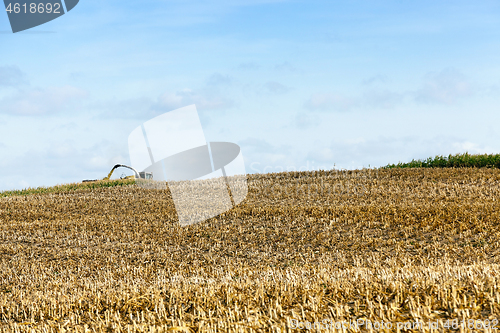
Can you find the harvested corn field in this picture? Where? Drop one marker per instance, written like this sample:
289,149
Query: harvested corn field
304,252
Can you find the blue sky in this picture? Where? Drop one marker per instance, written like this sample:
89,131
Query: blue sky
297,84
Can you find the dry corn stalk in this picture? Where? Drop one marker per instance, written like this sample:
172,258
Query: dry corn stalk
389,245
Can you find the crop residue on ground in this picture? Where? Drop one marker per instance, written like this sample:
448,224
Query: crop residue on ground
390,245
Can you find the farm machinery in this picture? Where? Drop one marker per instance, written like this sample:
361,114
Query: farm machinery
137,174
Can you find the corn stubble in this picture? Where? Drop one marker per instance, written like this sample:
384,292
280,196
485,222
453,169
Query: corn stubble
385,245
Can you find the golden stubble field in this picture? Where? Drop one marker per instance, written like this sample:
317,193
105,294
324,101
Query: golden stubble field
391,246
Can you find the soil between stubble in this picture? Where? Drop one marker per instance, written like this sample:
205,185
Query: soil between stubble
381,245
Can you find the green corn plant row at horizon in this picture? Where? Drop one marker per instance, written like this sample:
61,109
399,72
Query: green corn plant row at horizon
465,160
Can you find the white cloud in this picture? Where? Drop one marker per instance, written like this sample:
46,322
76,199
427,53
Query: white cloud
141,107
262,146
38,101
208,98
382,150
276,88
473,148
102,156
331,101
249,66
445,87
261,156
361,151
218,79
11,76
305,121
379,78
203,100
62,162
382,99
285,67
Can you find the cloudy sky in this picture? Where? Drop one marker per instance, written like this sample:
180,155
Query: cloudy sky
297,84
